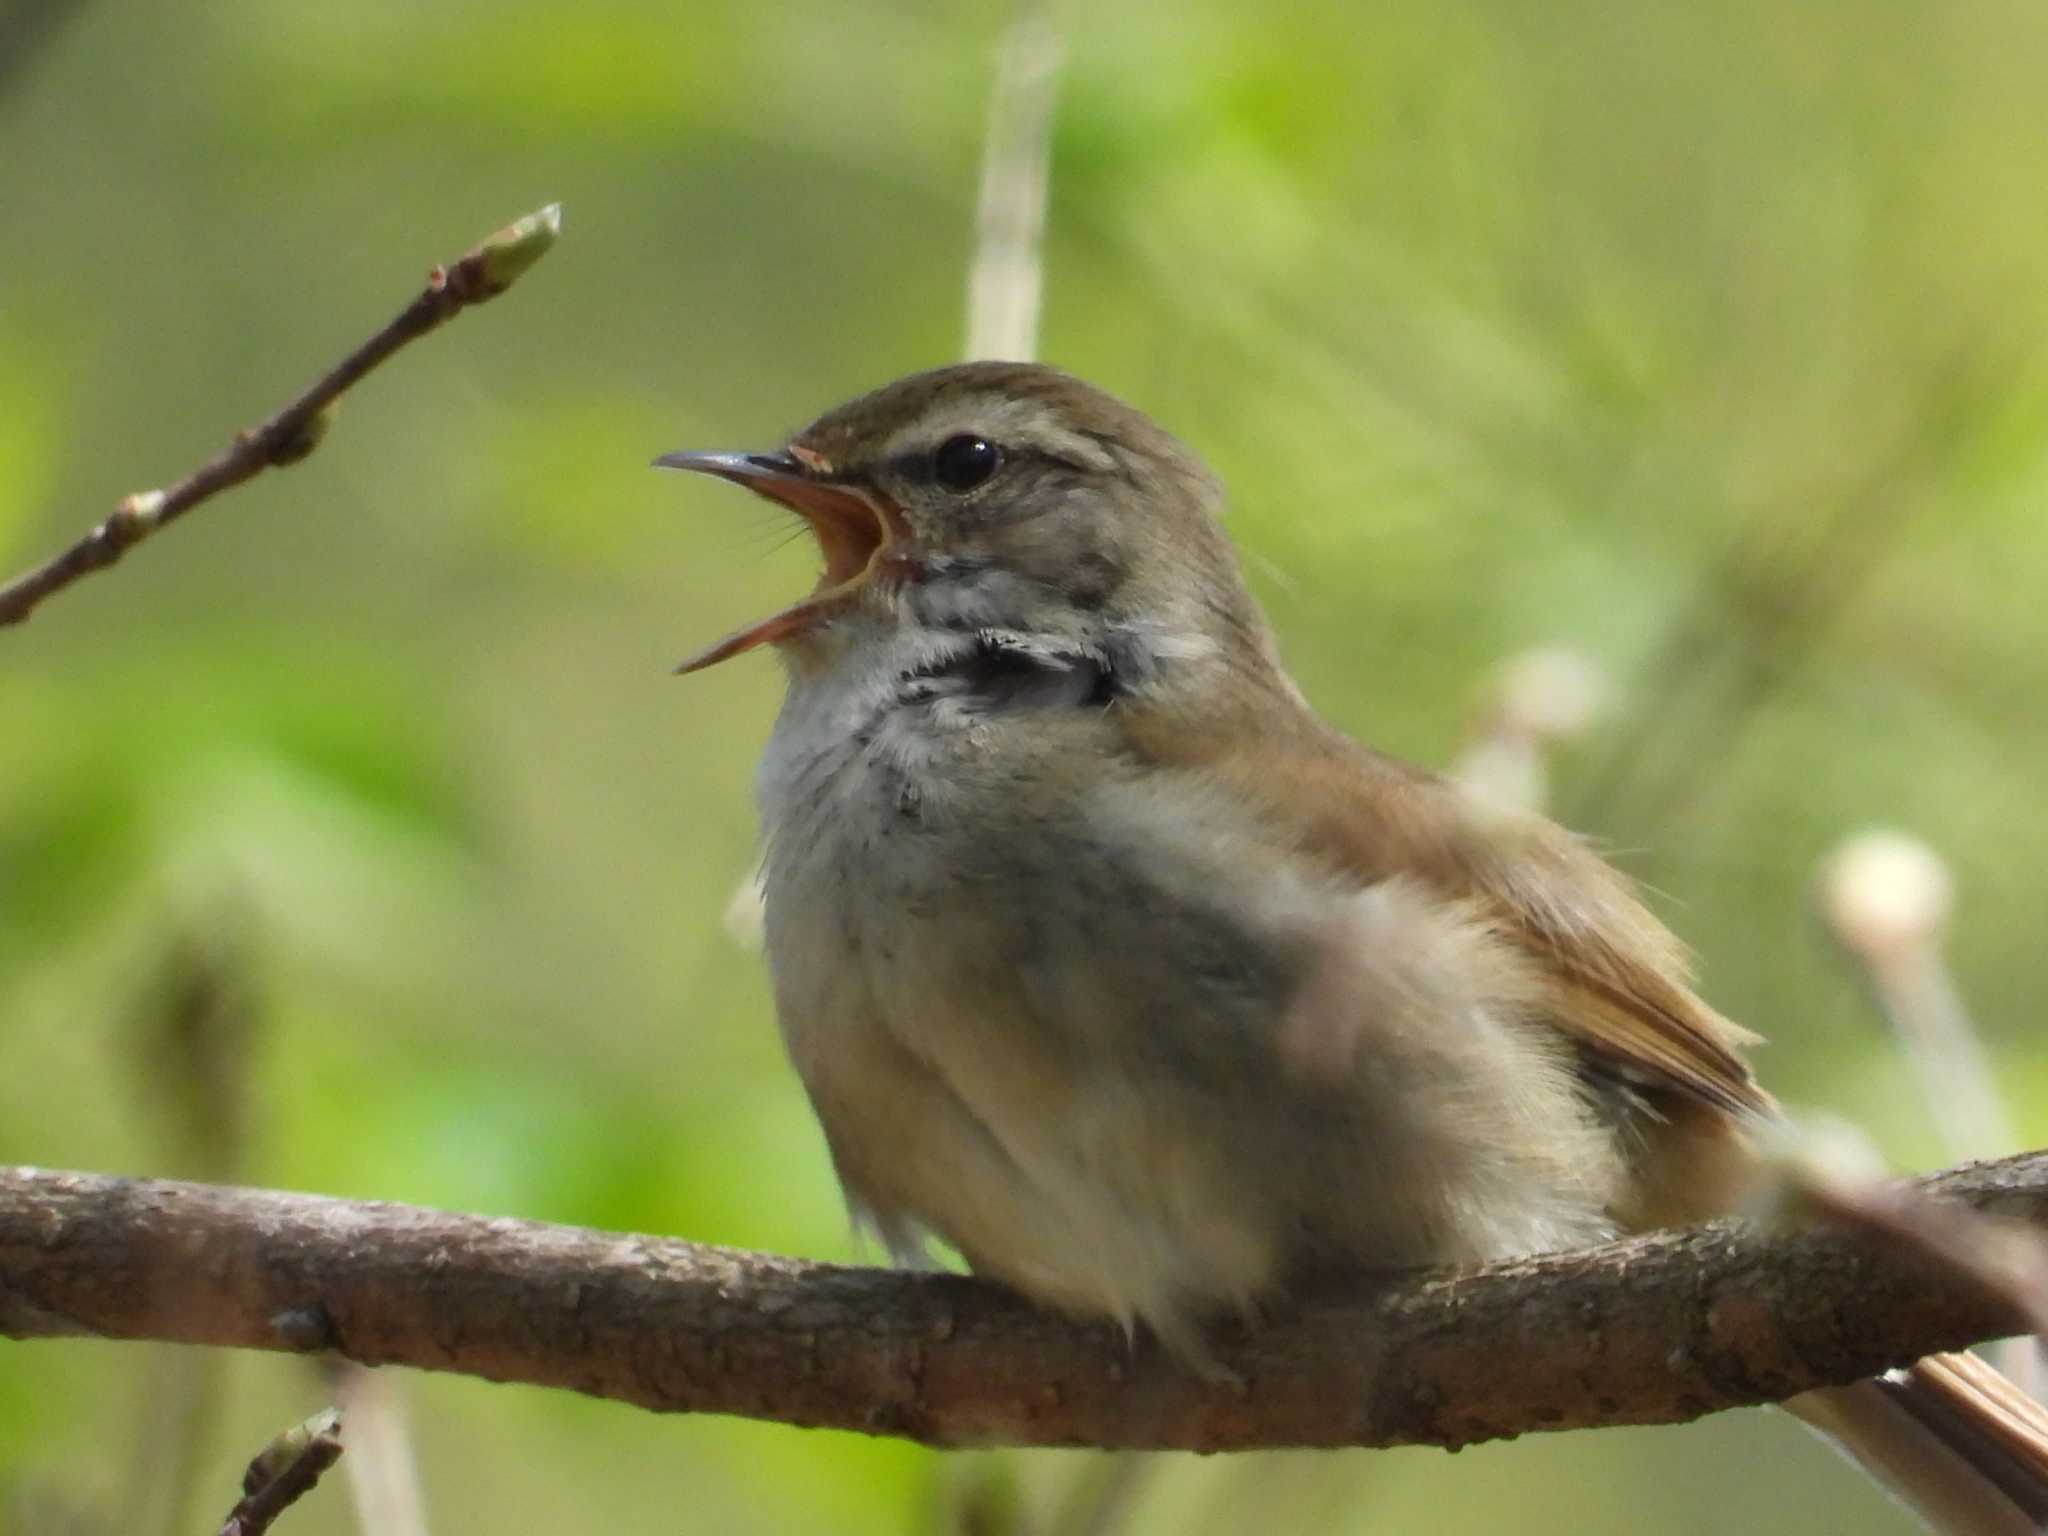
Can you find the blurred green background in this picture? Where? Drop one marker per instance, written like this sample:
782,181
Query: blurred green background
353,837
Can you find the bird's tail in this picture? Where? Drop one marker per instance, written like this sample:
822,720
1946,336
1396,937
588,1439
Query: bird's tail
1958,1442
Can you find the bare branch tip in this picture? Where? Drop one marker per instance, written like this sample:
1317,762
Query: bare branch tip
284,1471
504,257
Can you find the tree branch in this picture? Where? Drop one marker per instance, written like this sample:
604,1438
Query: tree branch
1657,1329
474,278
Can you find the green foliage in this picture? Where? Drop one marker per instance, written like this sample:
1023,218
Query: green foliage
1701,339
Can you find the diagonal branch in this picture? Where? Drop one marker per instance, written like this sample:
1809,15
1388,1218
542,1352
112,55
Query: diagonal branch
1657,1329
295,431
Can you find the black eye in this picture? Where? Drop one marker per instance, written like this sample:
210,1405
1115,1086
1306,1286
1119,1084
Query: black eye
965,461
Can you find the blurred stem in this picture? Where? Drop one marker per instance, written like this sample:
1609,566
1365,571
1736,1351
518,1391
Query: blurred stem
193,1022
979,1496
295,431
1919,996
383,1474
1535,700
1104,1495
180,1411
197,1024
1006,283
1918,993
1887,899
26,28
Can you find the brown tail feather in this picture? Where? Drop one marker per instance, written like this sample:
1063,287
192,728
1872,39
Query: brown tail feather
1951,1437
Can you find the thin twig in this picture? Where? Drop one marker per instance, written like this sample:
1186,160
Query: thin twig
1007,278
1657,1329
288,436
284,1472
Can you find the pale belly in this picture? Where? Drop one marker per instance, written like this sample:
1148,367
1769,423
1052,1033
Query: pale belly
1065,1032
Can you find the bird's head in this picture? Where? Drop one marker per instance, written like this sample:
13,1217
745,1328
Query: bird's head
1003,500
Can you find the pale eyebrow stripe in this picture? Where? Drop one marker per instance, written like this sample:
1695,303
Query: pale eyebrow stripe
916,464
1017,425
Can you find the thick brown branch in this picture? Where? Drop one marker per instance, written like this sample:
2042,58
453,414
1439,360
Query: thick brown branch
296,430
1653,1330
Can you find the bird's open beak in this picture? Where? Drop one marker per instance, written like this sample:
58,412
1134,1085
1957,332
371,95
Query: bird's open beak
855,528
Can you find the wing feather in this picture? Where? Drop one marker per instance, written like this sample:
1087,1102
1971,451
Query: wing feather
1617,980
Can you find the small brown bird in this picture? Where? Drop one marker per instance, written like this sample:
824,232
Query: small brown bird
1107,961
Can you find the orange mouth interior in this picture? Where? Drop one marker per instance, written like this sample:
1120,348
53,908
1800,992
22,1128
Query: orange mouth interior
853,528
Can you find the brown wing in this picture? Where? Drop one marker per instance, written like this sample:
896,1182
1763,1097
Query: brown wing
1619,980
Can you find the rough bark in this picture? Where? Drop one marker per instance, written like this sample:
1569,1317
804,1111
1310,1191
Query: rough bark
1653,1330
